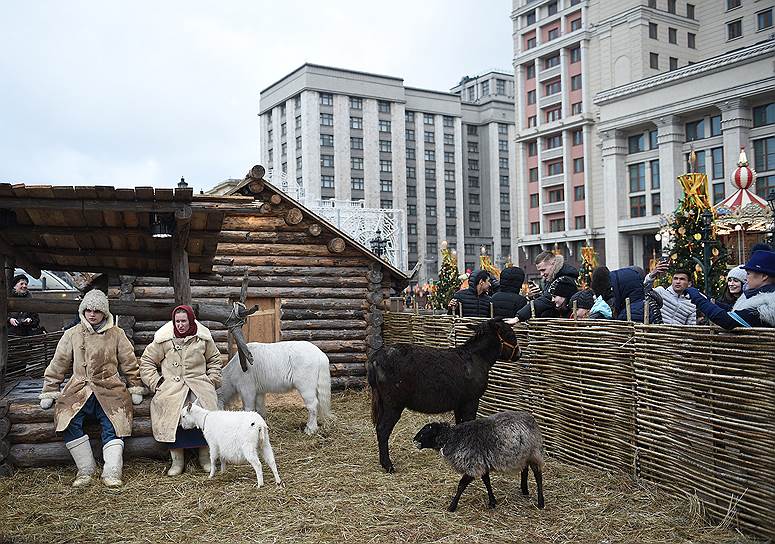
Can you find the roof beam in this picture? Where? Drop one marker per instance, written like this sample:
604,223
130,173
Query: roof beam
26,230
107,253
9,202
23,260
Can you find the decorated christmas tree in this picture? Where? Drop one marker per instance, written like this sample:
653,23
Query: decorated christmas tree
449,281
588,264
685,247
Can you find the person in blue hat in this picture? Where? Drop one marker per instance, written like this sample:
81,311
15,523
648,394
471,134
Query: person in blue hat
758,307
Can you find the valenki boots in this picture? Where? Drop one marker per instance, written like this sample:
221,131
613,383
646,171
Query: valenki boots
113,455
80,449
178,462
204,458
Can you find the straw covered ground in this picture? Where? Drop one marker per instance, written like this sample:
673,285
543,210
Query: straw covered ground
336,492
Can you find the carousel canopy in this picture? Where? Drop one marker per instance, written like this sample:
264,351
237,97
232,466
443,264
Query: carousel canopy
743,207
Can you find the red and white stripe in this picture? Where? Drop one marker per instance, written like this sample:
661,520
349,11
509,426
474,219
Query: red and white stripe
740,199
743,177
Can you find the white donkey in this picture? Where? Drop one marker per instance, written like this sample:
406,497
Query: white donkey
232,436
278,368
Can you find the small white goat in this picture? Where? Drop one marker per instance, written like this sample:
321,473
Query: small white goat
232,436
277,368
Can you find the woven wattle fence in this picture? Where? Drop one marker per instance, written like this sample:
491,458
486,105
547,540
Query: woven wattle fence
28,356
691,409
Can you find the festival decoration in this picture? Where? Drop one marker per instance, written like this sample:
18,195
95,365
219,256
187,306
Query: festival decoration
588,264
449,282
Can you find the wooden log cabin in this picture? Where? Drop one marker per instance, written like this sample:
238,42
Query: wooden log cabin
310,280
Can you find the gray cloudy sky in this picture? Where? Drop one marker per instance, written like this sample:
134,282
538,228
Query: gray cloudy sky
140,93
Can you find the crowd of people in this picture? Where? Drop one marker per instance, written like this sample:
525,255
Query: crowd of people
626,294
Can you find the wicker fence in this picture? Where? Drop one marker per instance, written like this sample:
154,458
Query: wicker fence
689,408
28,356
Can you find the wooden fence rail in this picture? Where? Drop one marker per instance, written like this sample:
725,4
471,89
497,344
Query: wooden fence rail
691,409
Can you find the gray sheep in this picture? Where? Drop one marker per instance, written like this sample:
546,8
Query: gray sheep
506,441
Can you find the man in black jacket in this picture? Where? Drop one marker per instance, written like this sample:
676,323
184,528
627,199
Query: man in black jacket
474,301
552,267
508,301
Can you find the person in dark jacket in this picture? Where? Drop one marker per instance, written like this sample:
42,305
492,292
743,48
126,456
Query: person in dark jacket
22,323
627,283
508,301
757,309
562,291
475,300
551,267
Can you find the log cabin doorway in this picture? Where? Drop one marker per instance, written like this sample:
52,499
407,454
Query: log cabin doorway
262,326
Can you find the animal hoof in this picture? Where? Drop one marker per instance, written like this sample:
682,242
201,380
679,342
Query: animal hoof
541,505
491,505
526,493
390,469
452,508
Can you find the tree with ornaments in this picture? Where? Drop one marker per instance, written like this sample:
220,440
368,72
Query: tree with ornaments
449,281
690,229
588,264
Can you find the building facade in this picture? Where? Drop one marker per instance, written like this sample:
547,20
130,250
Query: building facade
446,158
570,57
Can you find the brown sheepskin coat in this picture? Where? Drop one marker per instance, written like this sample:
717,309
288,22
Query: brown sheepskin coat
186,364
94,361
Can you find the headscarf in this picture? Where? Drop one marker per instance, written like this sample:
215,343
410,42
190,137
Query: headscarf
191,321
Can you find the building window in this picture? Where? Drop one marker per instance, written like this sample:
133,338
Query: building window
298,142
427,118
471,94
530,71
411,172
500,87
326,161
383,106
532,121
533,174
530,18
575,24
473,147
411,210
384,125
575,108
554,168
554,114
575,55
413,245
691,40
532,149
578,165
690,11
534,200
409,135
327,140
764,115
473,164
386,185
284,167
764,154
531,97
471,130
429,137
448,121
551,8
356,122
656,203
556,195
503,162
473,181
715,125
580,221
653,29
673,63
732,4
578,137
411,191
450,232
356,103
578,193
635,144
552,142
717,162
357,143
654,169
473,198
485,88
449,212
271,155
637,177
409,116
326,119
430,155
430,230
764,19
672,35
411,228
449,175
297,101
654,61
298,163
671,6
385,146
638,206
503,145
449,157
695,130
327,182
653,139
283,130
535,228
504,198
431,211
503,180
734,29
356,184
326,99
553,34
386,203
765,184
430,173
700,161
449,193
297,122
552,61
556,225
553,87
356,163
449,139
575,82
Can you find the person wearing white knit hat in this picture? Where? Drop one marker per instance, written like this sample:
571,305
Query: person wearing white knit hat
735,285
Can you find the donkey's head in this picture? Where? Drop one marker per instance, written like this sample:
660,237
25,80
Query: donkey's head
503,331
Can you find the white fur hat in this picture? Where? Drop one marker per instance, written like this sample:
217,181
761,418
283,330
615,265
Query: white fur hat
738,273
94,300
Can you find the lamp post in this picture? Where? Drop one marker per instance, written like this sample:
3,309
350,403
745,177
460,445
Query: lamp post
707,222
378,244
771,202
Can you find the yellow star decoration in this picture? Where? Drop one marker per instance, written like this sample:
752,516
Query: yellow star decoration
695,188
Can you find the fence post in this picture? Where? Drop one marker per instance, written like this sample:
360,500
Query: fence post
532,309
646,312
629,309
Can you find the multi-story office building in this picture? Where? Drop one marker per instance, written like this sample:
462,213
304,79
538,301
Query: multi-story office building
446,158
567,53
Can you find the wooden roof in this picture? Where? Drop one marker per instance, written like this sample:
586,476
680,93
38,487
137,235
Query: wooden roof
107,229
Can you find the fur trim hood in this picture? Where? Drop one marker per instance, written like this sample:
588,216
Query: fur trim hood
764,303
95,300
166,332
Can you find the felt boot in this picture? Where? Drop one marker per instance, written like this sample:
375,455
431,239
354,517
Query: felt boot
80,449
113,454
178,462
204,458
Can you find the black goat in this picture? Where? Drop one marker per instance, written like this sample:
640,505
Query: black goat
433,380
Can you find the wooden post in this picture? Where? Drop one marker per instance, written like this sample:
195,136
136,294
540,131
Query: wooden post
629,309
3,326
180,272
646,312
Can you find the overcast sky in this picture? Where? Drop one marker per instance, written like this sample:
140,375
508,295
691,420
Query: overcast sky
141,93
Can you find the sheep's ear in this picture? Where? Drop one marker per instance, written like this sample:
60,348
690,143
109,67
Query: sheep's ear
187,407
511,321
196,403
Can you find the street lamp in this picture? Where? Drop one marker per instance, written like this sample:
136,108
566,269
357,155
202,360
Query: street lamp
771,202
378,244
707,222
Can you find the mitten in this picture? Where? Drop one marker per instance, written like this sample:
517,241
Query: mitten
46,403
136,398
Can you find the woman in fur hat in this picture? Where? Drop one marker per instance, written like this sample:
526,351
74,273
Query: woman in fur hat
94,352
181,364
